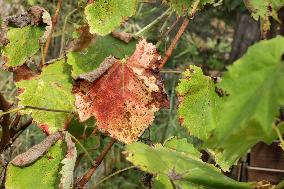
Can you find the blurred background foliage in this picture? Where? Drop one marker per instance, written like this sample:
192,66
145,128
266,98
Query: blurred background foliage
209,42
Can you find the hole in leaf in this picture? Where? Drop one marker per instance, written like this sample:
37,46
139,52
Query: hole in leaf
282,56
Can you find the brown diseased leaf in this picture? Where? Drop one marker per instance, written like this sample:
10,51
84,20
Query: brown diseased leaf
125,98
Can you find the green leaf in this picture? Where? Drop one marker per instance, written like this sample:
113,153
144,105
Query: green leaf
199,103
105,15
52,90
94,55
24,43
255,87
182,145
43,173
228,152
187,7
181,168
162,182
81,129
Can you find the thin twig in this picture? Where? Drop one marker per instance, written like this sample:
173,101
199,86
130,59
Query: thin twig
63,31
165,33
54,22
83,148
157,20
174,42
5,123
87,176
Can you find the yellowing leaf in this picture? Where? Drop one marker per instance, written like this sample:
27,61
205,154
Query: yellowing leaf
24,34
199,103
43,173
51,90
105,15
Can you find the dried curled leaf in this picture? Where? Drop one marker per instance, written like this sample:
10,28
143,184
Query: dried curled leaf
125,98
36,151
68,163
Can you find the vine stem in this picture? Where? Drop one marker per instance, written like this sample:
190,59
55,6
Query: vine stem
48,40
63,31
174,42
113,174
87,176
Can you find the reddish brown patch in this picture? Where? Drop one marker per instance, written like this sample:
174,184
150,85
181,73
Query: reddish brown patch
44,128
125,98
23,73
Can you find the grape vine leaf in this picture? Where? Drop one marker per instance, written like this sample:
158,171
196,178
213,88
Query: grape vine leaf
24,35
255,87
181,145
24,42
51,90
263,10
53,167
228,152
89,58
198,102
162,182
187,7
124,98
181,168
44,172
105,15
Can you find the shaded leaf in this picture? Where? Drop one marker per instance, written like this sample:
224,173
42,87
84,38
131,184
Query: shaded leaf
182,169
199,103
91,56
52,90
44,172
125,98
105,15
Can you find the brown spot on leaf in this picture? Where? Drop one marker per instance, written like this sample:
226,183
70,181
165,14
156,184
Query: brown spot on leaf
123,36
23,73
125,98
